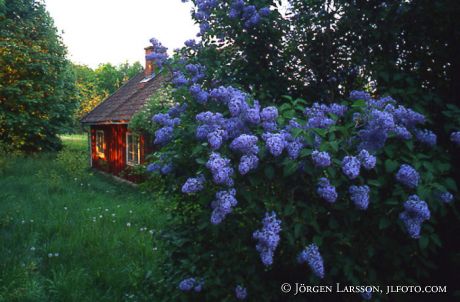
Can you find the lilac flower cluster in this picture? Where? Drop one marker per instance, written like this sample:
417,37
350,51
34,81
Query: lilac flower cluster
275,143
313,258
203,13
326,191
360,196
351,166
221,169
193,184
360,95
191,283
408,176
321,159
268,238
240,292
455,137
367,160
425,136
222,205
383,117
415,213
446,197
247,13
246,144
168,120
159,54
162,169
317,115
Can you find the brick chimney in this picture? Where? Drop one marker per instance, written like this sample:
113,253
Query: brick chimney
149,64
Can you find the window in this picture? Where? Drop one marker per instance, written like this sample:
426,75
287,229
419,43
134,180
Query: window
100,145
133,149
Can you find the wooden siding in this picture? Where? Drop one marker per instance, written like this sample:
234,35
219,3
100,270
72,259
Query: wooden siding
114,159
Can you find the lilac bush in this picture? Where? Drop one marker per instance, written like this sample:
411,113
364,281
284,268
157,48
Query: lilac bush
326,176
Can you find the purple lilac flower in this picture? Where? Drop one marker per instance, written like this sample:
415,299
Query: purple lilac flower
163,135
221,170
153,167
234,127
248,163
179,79
338,109
193,184
269,126
199,94
269,114
209,118
166,169
165,119
177,110
351,166
415,213
293,148
275,143
216,138
321,159
268,238
375,134
223,205
326,191
367,160
426,137
360,196
402,132
446,197
264,11
252,115
240,292
320,122
367,295
313,258
360,95
191,43
187,284
408,176
199,286
196,71
245,143
407,117
159,53
455,137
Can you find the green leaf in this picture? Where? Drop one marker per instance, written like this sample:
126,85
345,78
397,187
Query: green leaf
359,104
290,168
391,165
423,242
269,172
384,223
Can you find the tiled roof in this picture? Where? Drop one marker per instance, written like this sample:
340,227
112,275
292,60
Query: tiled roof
127,100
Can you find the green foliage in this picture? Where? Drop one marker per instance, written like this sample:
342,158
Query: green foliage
141,122
45,209
358,247
94,85
37,87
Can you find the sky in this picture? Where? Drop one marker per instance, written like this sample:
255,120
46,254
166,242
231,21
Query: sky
115,31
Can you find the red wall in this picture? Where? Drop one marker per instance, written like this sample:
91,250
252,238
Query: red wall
114,160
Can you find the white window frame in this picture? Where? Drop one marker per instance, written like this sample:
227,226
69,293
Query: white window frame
100,153
130,162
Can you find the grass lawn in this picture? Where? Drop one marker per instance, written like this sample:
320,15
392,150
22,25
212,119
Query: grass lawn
69,234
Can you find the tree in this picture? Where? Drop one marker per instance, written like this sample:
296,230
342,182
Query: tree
36,85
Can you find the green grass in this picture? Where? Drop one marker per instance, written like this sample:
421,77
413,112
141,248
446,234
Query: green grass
69,234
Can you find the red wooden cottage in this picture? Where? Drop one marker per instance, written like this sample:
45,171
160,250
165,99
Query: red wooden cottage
113,148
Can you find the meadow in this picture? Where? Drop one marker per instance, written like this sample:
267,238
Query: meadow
70,234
